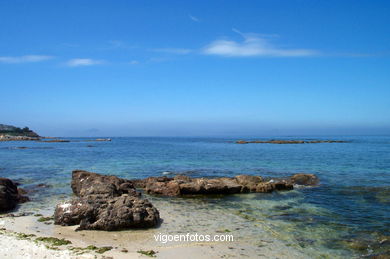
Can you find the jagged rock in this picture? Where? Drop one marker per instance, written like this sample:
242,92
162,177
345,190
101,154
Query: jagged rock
10,195
86,183
56,140
116,213
248,181
304,179
166,188
121,213
72,212
182,185
105,203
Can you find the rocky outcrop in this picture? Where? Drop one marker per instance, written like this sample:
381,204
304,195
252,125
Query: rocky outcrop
105,203
56,141
87,184
12,133
304,179
10,195
276,141
115,213
5,137
184,185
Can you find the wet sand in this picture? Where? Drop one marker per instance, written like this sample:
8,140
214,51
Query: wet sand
179,217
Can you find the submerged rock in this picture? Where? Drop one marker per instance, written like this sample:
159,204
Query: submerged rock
105,203
304,179
10,195
55,141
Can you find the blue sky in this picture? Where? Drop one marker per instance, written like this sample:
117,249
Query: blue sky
195,68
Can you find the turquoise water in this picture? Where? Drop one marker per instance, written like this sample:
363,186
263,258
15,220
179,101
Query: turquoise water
347,215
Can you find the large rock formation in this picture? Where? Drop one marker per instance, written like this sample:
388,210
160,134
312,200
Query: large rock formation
304,179
10,195
105,203
182,185
86,184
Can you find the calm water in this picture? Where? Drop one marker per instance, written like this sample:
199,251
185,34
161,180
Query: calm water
347,215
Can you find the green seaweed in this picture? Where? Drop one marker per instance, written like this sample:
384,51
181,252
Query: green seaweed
44,219
53,241
24,236
99,250
223,231
149,253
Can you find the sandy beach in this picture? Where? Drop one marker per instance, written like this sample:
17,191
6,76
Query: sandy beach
129,243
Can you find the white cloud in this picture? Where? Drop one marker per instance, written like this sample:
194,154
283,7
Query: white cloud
173,51
253,45
78,62
24,59
193,18
134,62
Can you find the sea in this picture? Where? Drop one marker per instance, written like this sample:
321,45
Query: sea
346,216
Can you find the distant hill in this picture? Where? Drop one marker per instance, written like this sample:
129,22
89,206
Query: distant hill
15,131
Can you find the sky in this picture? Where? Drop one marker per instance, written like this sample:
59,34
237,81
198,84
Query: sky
196,68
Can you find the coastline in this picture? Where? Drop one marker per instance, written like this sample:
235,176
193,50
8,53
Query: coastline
132,241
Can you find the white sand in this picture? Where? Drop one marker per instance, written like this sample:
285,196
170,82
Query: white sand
132,241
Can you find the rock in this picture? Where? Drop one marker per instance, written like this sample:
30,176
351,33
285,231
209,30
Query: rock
116,213
55,140
105,203
264,187
304,179
184,185
249,181
10,195
167,188
221,186
121,213
72,212
86,183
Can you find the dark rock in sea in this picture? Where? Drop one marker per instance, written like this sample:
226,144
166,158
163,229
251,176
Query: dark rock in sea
105,203
304,179
183,185
249,181
34,188
55,141
10,195
91,184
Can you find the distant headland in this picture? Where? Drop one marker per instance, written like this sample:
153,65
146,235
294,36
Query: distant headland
9,133
12,133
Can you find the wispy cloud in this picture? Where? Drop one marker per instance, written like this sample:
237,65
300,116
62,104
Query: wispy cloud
24,59
134,62
253,45
193,18
78,62
178,51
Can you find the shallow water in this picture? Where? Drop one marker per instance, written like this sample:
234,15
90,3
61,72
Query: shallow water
347,215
